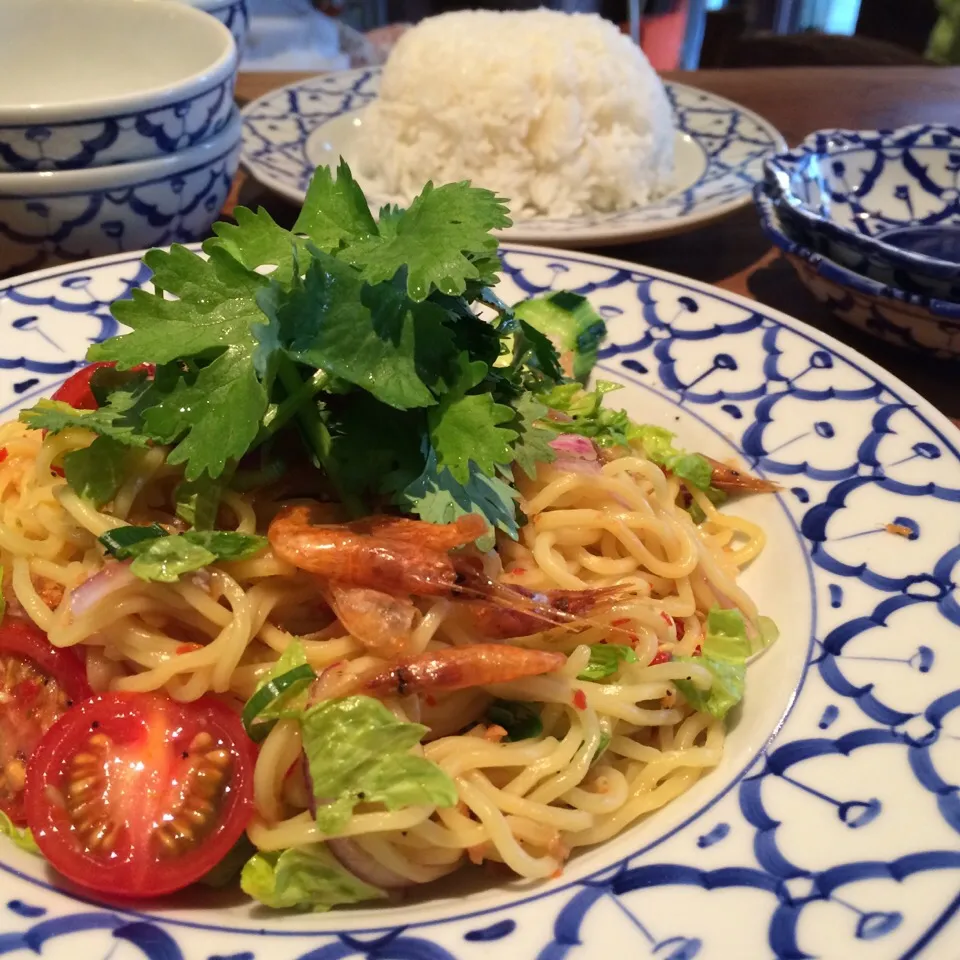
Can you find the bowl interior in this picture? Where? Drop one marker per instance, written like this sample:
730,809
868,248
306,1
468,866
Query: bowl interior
886,194
85,53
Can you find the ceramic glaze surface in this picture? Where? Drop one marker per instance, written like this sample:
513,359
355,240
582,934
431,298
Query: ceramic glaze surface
832,828
908,320
885,203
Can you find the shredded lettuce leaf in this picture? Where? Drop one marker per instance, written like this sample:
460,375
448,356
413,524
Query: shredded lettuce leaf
590,418
21,836
657,445
724,653
359,752
303,878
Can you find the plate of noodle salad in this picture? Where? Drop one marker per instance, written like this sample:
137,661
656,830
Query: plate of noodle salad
372,589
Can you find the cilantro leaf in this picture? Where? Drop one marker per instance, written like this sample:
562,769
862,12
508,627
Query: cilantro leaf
605,660
111,420
96,472
373,444
257,240
166,559
213,416
466,427
434,239
373,337
197,501
335,211
437,496
215,310
533,443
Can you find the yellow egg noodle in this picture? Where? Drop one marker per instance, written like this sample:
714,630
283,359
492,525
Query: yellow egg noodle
527,803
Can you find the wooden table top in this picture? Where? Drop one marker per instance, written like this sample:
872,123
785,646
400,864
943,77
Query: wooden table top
732,253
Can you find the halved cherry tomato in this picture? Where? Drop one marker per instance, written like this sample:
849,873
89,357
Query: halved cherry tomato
136,795
77,391
38,684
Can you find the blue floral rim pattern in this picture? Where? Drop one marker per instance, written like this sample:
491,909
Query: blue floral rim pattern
159,131
810,849
733,141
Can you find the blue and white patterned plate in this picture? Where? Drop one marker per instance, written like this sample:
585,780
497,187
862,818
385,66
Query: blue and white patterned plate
832,827
720,148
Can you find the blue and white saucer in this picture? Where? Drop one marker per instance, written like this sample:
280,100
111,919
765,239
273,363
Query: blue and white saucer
720,148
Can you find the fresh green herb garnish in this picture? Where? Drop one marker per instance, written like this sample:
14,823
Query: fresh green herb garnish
520,719
159,556
605,660
363,336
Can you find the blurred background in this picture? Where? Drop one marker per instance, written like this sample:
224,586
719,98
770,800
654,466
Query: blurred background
675,34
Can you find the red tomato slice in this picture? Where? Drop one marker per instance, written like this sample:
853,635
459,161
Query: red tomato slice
38,684
76,389
135,795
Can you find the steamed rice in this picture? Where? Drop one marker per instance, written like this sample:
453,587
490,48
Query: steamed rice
560,113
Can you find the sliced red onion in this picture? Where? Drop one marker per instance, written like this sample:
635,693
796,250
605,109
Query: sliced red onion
113,577
365,867
572,446
590,467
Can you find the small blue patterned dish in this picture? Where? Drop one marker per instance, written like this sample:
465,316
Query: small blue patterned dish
928,325
884,203
113,82
65,215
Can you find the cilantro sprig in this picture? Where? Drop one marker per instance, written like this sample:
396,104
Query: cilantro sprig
362,336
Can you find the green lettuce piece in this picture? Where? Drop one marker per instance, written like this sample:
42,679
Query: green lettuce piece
359,752
21,836
769,631
303,878
724,653
589,417
570,322
657,445
605,660
288,705
520,719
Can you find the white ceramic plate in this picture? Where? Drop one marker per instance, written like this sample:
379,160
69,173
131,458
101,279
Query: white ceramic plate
829,830
720,148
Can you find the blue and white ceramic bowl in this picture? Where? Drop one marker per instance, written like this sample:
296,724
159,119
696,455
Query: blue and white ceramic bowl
233,14
883,203
919,323
65,215
100,82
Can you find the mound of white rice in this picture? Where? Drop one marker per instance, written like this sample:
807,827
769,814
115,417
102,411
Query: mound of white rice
560,113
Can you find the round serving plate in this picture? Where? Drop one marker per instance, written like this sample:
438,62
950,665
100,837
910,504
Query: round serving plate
831,828
720,148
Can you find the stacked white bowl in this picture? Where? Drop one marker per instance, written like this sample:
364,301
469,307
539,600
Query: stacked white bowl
117,127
